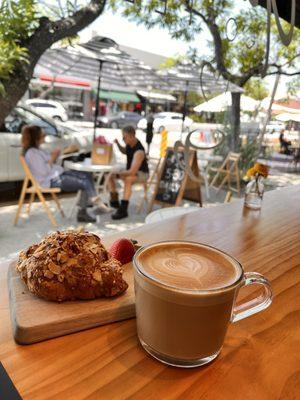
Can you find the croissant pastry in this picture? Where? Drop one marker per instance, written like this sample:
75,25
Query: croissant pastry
71,265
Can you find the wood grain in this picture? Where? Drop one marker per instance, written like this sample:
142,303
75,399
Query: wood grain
35,319
260,358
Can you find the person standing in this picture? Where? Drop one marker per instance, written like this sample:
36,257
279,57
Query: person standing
137,170
284,144
149,131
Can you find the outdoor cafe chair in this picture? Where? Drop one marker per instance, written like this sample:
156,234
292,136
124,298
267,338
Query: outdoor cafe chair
230,172
34,189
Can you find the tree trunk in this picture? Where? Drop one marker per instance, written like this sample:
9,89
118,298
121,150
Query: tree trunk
235,121
15,88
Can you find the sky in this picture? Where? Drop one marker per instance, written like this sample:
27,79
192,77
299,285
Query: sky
128,33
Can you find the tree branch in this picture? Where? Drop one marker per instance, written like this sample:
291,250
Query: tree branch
284,73
79,20
50,32
218,50
190,9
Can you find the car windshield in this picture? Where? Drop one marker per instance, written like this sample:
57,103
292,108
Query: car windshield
24,115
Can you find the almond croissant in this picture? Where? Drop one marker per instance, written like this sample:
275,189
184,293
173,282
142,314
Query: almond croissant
71,265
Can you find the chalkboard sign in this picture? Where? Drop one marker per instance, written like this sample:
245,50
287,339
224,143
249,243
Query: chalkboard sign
171,178
173,181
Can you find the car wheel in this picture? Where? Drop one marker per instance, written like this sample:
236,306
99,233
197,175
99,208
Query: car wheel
57,118
114,125
160,129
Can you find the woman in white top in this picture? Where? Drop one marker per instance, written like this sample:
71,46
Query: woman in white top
48,174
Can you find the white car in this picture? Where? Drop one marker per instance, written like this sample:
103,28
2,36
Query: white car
57,135
170,121
275,126
50,108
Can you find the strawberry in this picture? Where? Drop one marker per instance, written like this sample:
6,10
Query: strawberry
123,250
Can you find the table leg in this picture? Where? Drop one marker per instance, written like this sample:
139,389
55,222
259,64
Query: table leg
74,204
98,182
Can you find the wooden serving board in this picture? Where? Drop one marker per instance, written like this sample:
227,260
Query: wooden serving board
35,319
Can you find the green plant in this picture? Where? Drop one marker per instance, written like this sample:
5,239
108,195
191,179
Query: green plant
248,155
18,19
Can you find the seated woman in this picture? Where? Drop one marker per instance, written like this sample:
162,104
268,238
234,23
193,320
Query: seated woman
48,174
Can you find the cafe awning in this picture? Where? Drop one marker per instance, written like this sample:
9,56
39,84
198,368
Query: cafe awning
114,95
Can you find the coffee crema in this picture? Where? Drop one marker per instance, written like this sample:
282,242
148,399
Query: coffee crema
189,266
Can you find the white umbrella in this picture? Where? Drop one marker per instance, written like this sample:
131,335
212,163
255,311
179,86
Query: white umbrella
223,101
288,117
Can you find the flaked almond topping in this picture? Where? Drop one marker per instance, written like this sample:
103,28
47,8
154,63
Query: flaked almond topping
54,268
71,262
38,254
52,252
94,250
97,276
62,257
48,274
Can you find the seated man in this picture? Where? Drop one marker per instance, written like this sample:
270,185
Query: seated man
136,171
284,144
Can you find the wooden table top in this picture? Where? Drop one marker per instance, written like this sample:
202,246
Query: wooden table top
260,358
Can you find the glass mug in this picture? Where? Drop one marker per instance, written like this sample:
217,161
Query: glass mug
186,327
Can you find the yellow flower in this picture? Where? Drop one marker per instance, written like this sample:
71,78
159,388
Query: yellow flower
261,169
250,172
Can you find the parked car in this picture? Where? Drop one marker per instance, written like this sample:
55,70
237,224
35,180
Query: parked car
119,120
170,121
50,108
275,126
57,135
74,110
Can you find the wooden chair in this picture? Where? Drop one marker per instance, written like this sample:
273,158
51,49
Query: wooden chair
144,199
230,169
152,180
34,189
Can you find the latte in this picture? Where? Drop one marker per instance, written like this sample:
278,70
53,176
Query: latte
188,266
184,297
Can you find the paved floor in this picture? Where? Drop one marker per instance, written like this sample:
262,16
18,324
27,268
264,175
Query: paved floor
32,229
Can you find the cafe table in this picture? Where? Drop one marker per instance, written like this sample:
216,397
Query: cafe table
101,172
97,169
260,358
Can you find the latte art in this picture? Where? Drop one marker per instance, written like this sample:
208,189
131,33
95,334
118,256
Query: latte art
188,266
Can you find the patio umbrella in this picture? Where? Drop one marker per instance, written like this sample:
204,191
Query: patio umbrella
288,117
102,62
223,101
187,76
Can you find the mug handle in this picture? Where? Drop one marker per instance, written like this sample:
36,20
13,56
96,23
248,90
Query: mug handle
257,304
